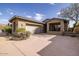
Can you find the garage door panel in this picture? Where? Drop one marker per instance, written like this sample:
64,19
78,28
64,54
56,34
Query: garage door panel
32,29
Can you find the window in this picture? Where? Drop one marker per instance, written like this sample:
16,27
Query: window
54,27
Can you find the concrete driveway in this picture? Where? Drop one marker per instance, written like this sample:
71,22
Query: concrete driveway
40,45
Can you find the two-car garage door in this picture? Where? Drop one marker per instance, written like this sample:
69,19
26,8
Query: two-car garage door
32,29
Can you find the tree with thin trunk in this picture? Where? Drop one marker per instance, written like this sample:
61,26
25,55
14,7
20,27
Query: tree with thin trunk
71,13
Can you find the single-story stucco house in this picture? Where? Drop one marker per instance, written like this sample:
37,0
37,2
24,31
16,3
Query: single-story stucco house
54,25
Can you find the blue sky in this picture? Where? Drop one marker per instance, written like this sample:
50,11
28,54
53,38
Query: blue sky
37,11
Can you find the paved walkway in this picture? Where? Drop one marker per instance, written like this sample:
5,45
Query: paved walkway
40,45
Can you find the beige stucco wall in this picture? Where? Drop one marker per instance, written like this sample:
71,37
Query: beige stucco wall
21,24
56,21
24,24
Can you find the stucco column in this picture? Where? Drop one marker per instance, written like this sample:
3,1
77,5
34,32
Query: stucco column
62,26
12,28
47,27
67,26
16,26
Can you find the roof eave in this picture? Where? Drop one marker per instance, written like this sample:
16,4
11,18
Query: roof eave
23,19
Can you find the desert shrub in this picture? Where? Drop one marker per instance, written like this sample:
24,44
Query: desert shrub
8,29
28,33
20,30
70,29
21,34
23,31
76,30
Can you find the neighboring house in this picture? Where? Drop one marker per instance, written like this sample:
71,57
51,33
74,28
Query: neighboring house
2,26
76,29
54,25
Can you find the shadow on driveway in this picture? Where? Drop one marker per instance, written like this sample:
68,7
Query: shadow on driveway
61,46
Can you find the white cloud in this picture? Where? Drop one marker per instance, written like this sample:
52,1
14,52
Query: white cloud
39,16
10,11
58,13
0,13
3,21
71,23
29,16
51,3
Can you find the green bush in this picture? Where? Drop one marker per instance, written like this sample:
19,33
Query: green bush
8,29
76,30
28,33
20,30
70,29
21,34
